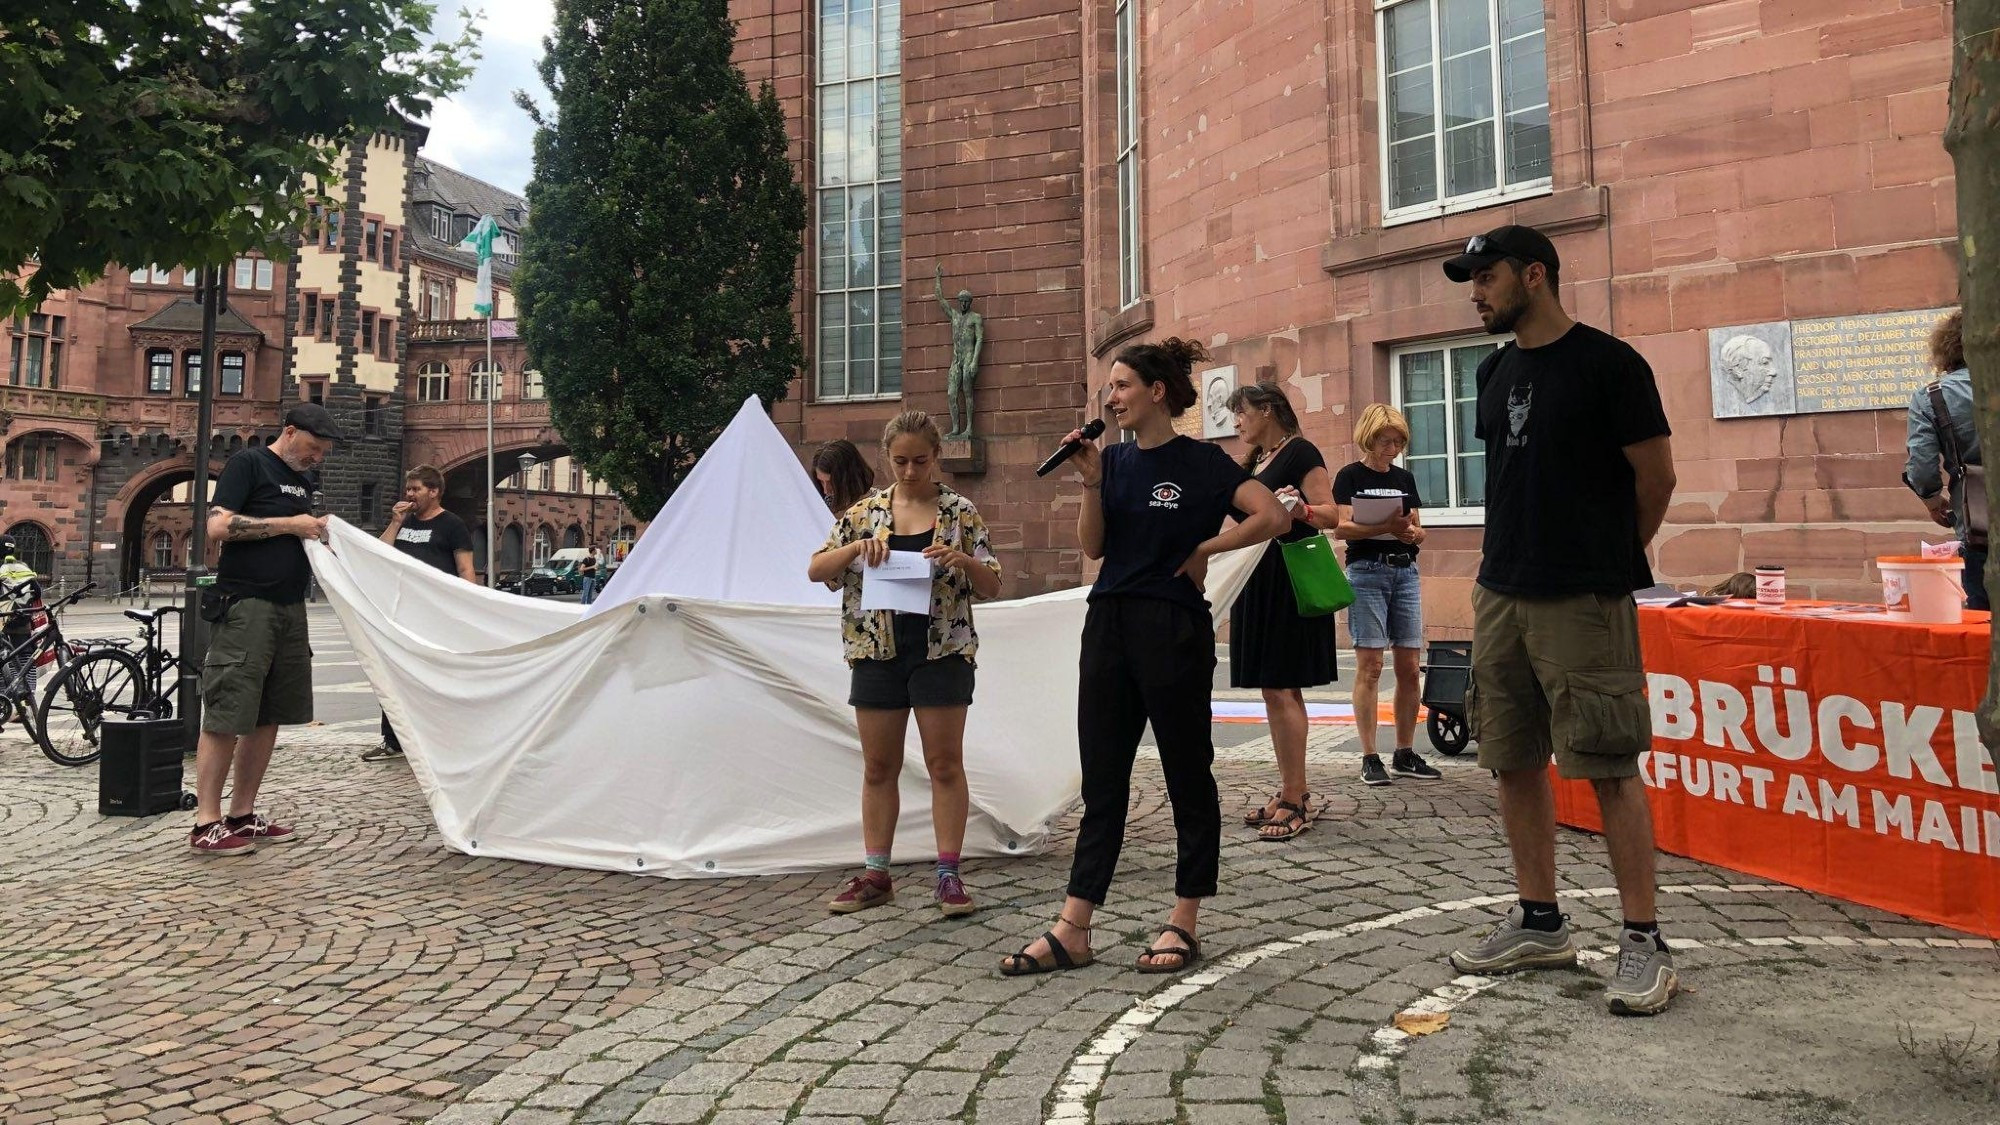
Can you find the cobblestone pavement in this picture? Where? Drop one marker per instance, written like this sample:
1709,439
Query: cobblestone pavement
368,974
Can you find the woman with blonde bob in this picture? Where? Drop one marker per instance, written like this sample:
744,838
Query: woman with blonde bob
905,663
1388,598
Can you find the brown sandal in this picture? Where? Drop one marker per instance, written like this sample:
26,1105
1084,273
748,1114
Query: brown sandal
1188,956
1290,823
1023,964
1257,817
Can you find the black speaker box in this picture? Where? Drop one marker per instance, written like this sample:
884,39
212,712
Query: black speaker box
139,772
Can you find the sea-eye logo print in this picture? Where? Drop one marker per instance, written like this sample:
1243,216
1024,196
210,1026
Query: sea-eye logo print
1166,494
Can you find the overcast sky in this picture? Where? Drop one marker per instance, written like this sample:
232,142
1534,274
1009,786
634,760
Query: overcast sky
480,131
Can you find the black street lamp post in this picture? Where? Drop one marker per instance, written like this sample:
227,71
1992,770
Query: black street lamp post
213,294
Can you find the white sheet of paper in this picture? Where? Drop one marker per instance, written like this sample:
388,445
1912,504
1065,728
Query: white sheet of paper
901,583
1377,509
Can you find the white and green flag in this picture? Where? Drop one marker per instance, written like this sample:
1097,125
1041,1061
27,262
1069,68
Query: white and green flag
485,241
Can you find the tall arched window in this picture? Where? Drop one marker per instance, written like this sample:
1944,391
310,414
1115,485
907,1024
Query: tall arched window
433,382
621,543
573,536
510,547
486,373
31,546
545,544
163,550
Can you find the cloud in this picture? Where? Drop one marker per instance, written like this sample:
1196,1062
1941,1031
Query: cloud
479,130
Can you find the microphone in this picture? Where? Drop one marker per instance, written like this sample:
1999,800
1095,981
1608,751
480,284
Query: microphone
1091,429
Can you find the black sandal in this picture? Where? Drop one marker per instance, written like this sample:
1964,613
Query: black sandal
1188,956
1024,965
1257,817
1291,822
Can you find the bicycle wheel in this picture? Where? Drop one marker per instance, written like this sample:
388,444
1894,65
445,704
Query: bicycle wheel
169,685
74,705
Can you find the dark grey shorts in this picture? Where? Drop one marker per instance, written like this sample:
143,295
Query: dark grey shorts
910,680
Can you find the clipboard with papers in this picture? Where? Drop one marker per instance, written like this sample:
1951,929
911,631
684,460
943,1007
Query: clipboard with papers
1372,508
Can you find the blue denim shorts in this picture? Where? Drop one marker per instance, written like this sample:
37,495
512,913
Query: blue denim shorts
1388,610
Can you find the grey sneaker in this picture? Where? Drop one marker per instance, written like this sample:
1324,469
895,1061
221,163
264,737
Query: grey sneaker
1372,772
1512,947
1645,982
380,753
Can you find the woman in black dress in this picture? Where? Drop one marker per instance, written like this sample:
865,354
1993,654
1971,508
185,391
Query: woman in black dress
1271,647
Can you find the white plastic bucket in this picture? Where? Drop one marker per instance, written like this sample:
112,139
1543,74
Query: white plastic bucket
1917,589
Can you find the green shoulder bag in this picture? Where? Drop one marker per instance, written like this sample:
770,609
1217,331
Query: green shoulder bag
1318,584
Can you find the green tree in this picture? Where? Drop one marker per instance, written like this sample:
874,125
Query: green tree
1972,135
657,268
156,131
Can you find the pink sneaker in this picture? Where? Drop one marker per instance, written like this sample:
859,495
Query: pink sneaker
951,897
219,839
259,828
862,892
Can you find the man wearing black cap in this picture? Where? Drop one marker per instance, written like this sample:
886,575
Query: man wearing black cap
1579,472
258,673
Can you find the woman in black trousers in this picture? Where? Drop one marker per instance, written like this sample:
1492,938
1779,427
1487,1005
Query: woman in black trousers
1152,510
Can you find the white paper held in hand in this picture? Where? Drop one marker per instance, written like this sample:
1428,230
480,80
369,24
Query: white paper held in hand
902,583
1377,509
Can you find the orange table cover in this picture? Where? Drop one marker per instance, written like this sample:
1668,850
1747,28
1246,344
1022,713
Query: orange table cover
1834,754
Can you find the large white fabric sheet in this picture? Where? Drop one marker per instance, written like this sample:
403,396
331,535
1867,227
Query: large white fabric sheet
694,721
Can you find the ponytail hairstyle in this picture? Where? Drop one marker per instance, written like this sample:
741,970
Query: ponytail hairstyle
1171,361
1264,396
850,474
912,422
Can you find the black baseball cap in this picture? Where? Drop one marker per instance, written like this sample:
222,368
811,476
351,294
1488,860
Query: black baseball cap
315,420
1482,250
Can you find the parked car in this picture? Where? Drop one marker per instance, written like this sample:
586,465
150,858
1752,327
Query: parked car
544,581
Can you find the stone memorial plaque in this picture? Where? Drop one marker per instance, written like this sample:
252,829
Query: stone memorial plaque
963,455
1874,361
1750,370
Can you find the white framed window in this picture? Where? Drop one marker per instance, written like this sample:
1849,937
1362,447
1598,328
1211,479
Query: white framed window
433,383
486,373
859,200
1435,385
1465,104
266,273
1131,276
531,384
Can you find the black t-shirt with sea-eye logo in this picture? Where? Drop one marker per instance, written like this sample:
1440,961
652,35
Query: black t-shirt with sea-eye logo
436,541
256,482
1562,515
1159,505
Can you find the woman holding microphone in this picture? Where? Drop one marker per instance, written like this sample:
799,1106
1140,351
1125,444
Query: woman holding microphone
905,663
1152,510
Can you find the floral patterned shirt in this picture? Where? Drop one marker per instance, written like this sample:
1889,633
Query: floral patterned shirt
871,634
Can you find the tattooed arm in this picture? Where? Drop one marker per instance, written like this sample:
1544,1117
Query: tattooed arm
225,526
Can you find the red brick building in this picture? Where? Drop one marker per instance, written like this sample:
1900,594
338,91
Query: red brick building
1280,180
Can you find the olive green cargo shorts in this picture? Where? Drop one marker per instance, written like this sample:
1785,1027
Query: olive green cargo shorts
259,669
1561,677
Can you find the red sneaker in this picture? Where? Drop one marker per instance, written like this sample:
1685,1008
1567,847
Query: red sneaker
219,839
862,892
951,897
258,828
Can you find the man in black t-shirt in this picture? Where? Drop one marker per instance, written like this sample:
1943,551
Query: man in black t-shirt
1579,472
258,671
421,528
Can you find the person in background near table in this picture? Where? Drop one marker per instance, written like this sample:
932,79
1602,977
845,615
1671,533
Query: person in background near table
421,528
1388,611
910,662
843,474
1271,647
258,671
1579,473
1923,474
1152,509
586,578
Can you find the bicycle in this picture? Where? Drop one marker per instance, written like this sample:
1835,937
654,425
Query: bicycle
114,676
106,680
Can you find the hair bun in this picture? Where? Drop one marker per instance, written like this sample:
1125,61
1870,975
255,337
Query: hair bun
1184,353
